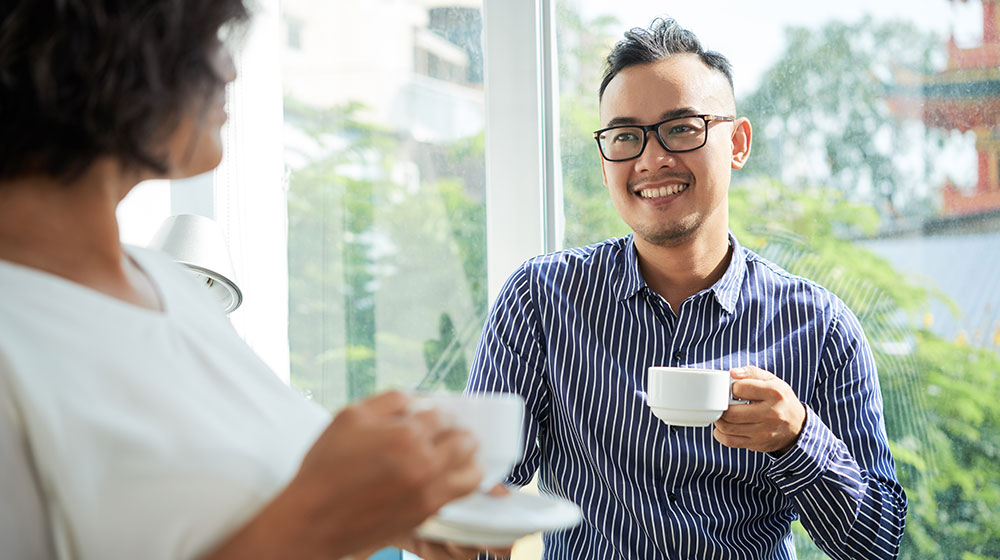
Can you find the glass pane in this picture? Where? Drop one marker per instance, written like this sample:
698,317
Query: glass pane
384,147
874,171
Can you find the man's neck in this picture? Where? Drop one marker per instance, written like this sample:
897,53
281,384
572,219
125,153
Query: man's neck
678,272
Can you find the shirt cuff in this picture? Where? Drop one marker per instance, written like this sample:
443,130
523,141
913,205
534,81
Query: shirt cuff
801,465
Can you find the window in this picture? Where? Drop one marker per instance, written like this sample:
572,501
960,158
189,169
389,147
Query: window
869,120
384,117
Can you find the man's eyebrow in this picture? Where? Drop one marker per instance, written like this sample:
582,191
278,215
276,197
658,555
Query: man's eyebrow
620,121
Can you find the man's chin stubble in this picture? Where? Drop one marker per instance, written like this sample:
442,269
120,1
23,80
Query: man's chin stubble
668,237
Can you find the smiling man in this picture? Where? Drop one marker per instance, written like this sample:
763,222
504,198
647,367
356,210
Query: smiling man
575,331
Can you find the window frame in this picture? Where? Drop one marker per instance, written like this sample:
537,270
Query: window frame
524,205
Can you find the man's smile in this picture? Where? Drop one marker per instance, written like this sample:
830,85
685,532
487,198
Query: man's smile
661,192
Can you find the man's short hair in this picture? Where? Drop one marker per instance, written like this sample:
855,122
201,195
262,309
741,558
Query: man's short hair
84,79
663,39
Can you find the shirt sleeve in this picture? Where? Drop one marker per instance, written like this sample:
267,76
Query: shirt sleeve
840,474
23,523
511,358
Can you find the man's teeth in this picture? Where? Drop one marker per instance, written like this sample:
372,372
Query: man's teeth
662,191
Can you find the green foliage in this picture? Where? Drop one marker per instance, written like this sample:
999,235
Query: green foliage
963,413
829,91
941,406
331,215
810,231
805,548
362,298
822,114
589,215
443,356
467,223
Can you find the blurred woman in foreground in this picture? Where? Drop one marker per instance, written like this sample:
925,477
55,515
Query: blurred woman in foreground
134,422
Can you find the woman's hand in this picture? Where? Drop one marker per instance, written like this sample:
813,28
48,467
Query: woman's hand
429,550
377,472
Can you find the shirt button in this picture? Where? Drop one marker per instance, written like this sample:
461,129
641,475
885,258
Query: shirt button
788,474
673,429
678,355
672,497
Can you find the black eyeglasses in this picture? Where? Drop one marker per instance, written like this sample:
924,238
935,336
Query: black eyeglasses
678,134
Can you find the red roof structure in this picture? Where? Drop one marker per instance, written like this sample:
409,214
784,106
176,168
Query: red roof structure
965,96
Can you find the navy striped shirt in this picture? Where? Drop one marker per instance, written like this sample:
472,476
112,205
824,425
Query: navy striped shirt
574,332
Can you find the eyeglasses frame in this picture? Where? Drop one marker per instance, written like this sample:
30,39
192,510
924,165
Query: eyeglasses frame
647,128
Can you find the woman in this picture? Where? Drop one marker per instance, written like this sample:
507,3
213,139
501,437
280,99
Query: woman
134,423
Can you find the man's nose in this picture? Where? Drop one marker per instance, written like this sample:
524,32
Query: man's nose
654,155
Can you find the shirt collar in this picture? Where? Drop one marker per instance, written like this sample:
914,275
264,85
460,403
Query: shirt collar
727,288
629,280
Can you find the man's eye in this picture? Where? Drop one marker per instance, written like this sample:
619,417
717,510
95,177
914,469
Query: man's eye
622,137
679,129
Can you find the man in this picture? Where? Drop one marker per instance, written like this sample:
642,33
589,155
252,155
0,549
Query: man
574,333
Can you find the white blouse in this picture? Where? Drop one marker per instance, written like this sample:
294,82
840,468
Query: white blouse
127,433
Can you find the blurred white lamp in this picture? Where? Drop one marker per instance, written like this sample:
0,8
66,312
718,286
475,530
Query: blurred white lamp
198,243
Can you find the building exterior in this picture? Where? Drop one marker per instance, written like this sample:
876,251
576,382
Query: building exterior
965,96
958,251
411,63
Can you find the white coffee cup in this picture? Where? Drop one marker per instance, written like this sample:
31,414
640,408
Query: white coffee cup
495,421
689,396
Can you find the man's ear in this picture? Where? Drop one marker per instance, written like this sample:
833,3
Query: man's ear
741,143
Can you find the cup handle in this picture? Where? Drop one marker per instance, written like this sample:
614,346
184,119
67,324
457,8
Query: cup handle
732,399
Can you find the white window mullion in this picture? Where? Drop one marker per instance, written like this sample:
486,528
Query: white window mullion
551,159
250,190
522,173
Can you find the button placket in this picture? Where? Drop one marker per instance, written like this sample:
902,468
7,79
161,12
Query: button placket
668,318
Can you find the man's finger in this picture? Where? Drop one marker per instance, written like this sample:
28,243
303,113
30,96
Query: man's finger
737,428
731,440
754,390
750,372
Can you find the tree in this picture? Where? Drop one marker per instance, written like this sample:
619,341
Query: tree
446,365
589,215
828,92
331,212
941,411
821,114
386,257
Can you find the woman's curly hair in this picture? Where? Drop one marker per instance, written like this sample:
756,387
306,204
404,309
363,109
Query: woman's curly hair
82,79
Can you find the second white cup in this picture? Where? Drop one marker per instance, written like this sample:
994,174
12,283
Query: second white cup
495,420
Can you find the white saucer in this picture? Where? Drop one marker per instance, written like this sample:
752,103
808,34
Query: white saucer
483,520
434,530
